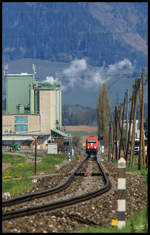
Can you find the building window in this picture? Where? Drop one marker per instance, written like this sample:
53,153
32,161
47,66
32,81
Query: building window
21,119
21,127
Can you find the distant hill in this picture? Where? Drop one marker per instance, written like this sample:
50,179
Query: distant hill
81,115
63,31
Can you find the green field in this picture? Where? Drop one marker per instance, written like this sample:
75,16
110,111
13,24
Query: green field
18,178
80,133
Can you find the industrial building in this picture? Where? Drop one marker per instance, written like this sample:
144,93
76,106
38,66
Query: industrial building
32,109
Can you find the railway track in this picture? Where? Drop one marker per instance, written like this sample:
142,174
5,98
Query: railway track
59,203
31,196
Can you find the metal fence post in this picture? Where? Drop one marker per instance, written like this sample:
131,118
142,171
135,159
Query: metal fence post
121,193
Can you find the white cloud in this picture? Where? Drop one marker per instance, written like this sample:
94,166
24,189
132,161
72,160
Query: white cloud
76,67
79,74
50,79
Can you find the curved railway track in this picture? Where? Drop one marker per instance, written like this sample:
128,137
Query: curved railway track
31,196
59,203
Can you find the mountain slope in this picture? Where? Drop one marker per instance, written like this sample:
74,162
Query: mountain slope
63,31
80,44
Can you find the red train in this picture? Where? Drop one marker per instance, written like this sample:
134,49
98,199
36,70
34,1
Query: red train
92,145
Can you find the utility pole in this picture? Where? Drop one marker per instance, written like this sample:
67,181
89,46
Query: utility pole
119,124
141,123
130,122
121,144
136,87
116,132
113,138
36,141
120,115
109,145
127,114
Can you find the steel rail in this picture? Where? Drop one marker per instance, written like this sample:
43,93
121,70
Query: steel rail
31,196
61,203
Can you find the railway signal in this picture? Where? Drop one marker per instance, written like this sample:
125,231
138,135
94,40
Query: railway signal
35,142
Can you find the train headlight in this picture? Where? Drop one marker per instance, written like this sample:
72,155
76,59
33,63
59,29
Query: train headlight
95,147
88,147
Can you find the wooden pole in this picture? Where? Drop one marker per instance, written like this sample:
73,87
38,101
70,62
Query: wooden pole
35,157
141,123
121,144
137,82
109,144
143,83
119,124
116,136
120,115
36,141
113,138
127,114
130,122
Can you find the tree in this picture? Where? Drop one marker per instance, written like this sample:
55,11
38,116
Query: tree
76,141
103,113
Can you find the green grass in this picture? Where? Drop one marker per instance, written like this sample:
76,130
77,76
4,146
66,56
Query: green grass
13,159
16,187
143,171
23,171
137,223
47,165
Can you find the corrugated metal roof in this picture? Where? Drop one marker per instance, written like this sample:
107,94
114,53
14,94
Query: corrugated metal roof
61,133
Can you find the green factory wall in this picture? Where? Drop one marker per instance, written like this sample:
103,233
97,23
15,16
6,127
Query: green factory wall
17,91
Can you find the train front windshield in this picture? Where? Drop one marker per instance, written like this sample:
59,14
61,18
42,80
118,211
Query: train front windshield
91,141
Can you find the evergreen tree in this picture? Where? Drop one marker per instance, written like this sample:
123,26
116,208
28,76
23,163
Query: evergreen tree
103,113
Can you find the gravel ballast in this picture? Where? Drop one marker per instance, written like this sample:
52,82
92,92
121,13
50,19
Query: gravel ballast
98,211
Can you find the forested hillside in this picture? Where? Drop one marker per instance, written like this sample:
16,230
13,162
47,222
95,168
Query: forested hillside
60,31
81,115
78,115
80,44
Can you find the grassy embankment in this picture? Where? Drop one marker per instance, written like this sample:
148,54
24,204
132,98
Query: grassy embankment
135,224
18,178
134,169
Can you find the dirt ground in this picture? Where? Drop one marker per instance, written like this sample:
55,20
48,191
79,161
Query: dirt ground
82,128
89,129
